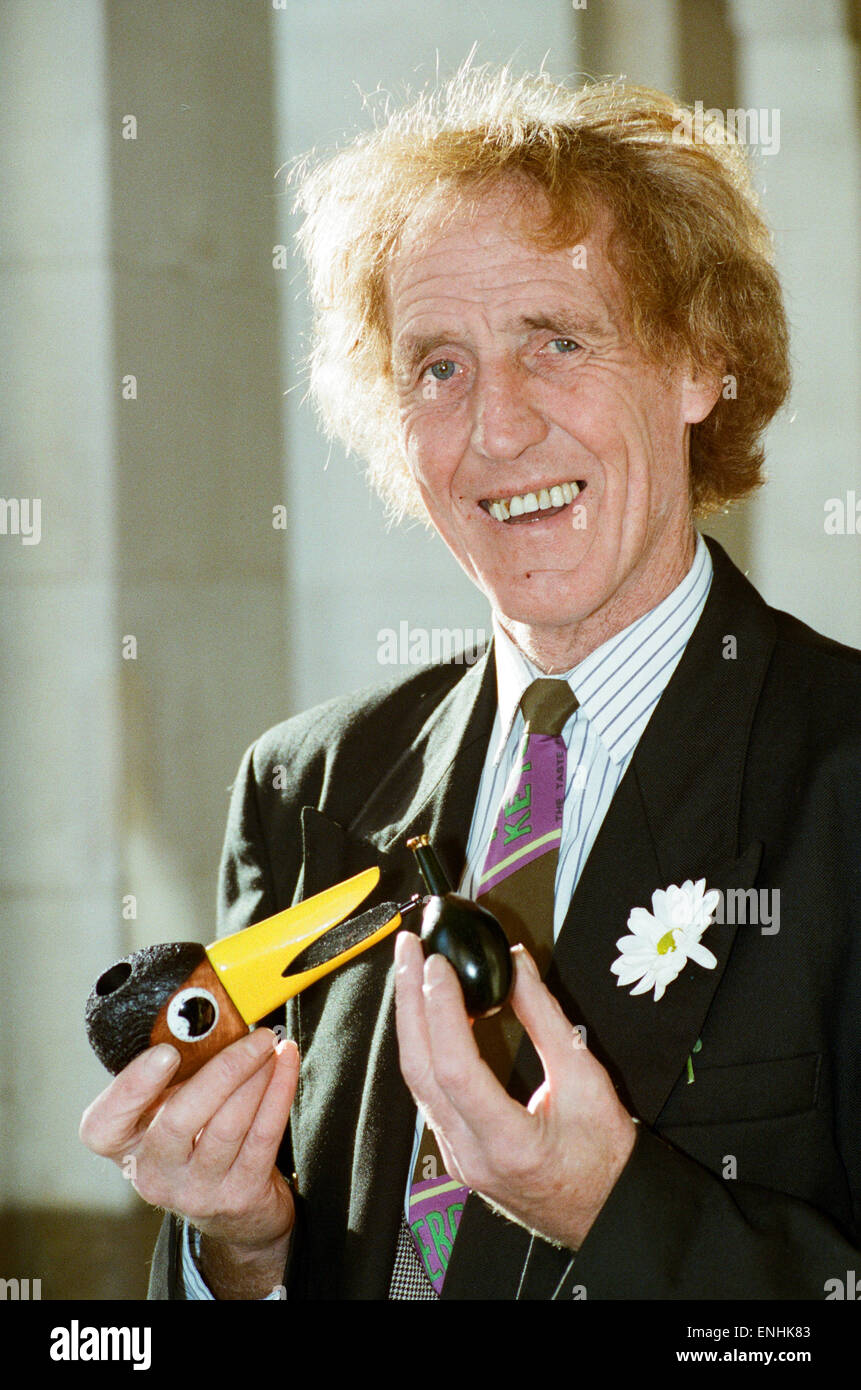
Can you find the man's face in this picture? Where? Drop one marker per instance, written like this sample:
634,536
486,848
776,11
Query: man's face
517,375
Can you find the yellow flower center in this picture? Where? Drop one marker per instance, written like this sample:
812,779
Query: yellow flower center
666,943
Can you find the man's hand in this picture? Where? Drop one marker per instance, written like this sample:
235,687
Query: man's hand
551,1166
206,1150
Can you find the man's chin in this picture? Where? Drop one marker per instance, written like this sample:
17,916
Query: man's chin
547,607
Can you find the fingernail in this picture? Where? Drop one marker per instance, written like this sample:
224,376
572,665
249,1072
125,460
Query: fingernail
436,968
162,1059
525,959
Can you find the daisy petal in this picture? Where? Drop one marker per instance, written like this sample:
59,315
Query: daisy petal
645,985
660,903
702,956
640,922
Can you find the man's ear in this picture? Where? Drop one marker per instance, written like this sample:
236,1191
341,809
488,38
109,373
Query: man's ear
701,391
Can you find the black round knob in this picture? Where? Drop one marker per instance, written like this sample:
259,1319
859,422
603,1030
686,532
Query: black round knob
472,940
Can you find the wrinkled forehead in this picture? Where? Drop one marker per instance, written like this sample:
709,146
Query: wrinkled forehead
482,232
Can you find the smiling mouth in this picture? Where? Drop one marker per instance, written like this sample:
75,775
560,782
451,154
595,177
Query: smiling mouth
533,506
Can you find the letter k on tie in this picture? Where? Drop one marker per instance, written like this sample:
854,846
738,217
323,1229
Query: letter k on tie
517,885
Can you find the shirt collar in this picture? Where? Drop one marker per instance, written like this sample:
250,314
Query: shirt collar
620,682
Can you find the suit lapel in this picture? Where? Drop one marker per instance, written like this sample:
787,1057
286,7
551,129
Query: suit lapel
675,816
430,789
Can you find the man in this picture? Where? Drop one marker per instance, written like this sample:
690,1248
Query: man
551,322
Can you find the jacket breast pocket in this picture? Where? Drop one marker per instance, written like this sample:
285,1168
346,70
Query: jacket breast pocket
745,1091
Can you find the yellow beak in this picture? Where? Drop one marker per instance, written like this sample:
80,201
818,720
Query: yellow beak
251,964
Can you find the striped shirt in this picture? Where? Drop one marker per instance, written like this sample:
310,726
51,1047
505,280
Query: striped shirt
618,686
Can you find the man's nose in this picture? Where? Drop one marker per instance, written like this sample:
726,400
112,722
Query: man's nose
506,418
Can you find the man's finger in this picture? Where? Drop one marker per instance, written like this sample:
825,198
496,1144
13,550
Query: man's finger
410,1021
417,1041
467,1082
193,1105
247,1131
219,1142
554,1038
263,1140
112,1122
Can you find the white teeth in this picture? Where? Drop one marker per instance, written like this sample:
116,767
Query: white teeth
559,495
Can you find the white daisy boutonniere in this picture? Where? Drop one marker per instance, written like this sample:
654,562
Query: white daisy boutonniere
664,940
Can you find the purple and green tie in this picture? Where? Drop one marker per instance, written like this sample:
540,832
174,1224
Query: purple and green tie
517,885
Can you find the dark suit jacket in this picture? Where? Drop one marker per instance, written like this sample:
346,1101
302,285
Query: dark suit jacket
745,1184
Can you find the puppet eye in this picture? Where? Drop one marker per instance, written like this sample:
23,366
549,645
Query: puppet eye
192,1014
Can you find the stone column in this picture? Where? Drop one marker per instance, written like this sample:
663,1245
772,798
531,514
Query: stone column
200,565
797,60
640,41
143,635
59,726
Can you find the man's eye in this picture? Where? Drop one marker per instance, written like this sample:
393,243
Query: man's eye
443,370
565,344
